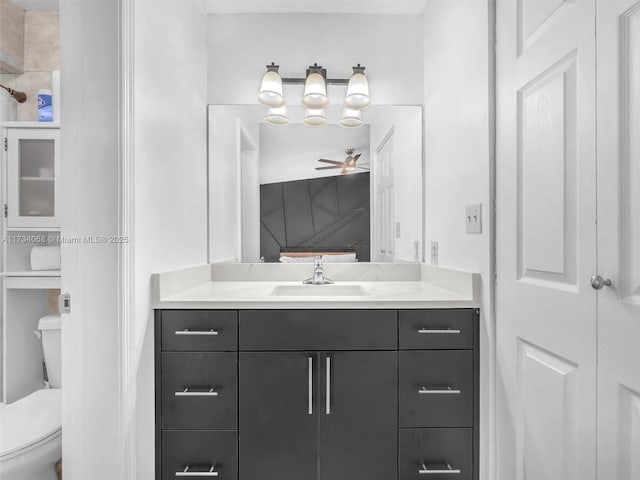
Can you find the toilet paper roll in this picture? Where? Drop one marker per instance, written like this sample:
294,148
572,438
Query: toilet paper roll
45,258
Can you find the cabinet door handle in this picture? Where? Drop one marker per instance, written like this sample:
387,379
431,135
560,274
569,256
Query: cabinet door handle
187,473
187,392
310,411
186,331
328,401
431,471
428,331
440,391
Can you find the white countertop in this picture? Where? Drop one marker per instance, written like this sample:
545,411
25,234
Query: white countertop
242,286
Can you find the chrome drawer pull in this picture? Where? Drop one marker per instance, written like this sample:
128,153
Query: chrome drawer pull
310,387
202,393
429,471
187,473
328,399
186,331
447,391
438,330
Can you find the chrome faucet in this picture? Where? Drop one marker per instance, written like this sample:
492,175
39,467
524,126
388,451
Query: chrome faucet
318,274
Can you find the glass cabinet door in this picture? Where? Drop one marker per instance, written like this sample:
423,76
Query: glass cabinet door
32,174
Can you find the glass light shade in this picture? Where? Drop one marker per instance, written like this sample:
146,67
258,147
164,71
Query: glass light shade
314,117
270,93
277,116
358,92
350,118
315,92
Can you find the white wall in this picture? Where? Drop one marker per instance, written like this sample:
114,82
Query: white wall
291,153
458,156
390,46
170,171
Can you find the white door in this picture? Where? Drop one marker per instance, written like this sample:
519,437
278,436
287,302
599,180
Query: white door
546,240
618,43
384,192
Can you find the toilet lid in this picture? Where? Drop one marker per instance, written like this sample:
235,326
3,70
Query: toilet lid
29,420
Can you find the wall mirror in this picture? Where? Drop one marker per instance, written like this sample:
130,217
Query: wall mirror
283,193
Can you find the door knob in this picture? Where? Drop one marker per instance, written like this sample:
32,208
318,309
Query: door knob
597,282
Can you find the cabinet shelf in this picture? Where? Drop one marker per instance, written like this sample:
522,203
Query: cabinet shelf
37,179
17,124
32,273
33,229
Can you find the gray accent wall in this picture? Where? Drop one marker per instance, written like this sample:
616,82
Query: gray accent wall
319,213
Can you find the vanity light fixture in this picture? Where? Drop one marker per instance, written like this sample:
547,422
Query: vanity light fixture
270,93
315,117
315,88
358,90
277,116
315,97
350,118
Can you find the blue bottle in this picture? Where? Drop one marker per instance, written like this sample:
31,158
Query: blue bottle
45,110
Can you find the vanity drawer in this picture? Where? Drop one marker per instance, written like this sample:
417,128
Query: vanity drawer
199,330
446,450
436,388
318,330
199,390
437,329
199,451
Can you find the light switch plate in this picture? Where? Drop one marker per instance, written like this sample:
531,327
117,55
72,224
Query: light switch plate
473,218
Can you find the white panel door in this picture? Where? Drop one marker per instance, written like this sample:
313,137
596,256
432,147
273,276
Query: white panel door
546,240
618,43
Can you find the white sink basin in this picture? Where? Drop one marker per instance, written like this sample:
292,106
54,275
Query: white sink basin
319,291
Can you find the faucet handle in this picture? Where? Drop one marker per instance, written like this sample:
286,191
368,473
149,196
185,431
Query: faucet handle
317,261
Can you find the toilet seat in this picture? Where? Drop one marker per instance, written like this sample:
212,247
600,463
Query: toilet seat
30,422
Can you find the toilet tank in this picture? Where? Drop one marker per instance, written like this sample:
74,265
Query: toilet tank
49,327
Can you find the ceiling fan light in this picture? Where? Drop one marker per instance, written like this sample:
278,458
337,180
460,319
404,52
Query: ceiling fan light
315,92
270,93
358,92
350,118
277,116
314,117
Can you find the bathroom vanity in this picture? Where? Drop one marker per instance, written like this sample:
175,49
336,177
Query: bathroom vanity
316,386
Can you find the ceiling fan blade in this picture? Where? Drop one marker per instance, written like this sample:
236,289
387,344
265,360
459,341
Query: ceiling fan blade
330,161
355,159
328,168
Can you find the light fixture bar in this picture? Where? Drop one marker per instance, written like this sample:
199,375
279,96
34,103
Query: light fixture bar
301,81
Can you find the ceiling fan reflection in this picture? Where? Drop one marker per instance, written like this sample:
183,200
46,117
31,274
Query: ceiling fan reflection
348,165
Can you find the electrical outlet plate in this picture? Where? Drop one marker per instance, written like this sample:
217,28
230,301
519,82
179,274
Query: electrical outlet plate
433,253
473,218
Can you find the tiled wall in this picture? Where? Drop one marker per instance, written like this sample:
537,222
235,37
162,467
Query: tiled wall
11,36
41,57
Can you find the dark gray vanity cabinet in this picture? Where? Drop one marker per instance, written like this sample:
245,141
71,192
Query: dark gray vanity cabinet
278,434
358,418
317,394
438,392
302,414
196,394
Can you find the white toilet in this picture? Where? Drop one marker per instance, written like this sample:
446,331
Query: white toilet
30,429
